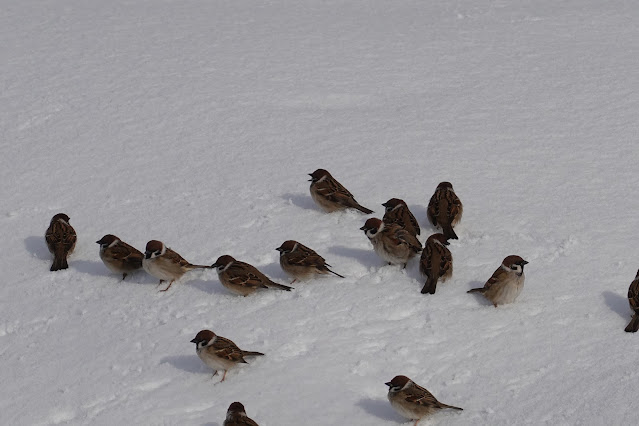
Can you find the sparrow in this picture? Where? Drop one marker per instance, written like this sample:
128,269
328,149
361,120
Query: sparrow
242,278
165,264
60,238
411,400
330,195
633,299
118,256
506,283
445,209
236,416
397,212
436,262
218,352
391,242
301,262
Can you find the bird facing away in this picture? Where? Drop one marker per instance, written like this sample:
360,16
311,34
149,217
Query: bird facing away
119,256
61,239
506,283
242,278
633,299
436,262
445,209
301,262
398,212
413,401
236,416
218,352
165,264
330,195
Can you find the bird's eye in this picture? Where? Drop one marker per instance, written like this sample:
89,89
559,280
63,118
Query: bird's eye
513,267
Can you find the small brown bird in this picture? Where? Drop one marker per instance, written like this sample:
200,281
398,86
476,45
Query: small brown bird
506,283
436,262
301,262
242,278
236,416
118,256
411,400
330,195
633,299
165,264
218,352
391,242
61,239
398,212
445,209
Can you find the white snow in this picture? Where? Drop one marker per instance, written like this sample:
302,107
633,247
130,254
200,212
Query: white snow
196,122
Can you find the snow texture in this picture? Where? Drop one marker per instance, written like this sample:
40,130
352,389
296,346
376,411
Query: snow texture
196,123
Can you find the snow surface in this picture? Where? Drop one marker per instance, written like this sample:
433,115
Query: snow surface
196,122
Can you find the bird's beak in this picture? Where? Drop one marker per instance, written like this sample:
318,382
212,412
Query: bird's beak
388,384
385,204
97,242
215,265
363,228
279,249
524,263
193,341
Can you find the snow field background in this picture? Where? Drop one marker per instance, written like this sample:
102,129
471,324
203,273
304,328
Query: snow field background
196,122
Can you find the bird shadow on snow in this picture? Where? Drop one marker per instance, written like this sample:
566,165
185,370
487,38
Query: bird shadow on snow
617,303
300,200
188,363
38,247
379,408
366,257
208,286
91,267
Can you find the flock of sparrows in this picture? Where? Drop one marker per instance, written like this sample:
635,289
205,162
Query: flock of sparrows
394,239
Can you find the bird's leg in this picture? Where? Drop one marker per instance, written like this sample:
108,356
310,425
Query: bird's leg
160,283
223,376
123,276
214,374
293,280
170,284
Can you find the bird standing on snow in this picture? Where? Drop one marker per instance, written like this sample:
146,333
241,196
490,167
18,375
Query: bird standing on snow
236,416
436,262
60,238
118,256
330,195
218,352
391,242
445,209
506,283
633,299
398,212
411,400
301,262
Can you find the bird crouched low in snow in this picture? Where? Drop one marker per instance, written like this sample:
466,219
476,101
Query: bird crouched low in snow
236,416
165,264
330,195
61,239
411,400
633,299
506,283
301,262
242,278
398,212
218,352
118,256
391,242
445,209
436,262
